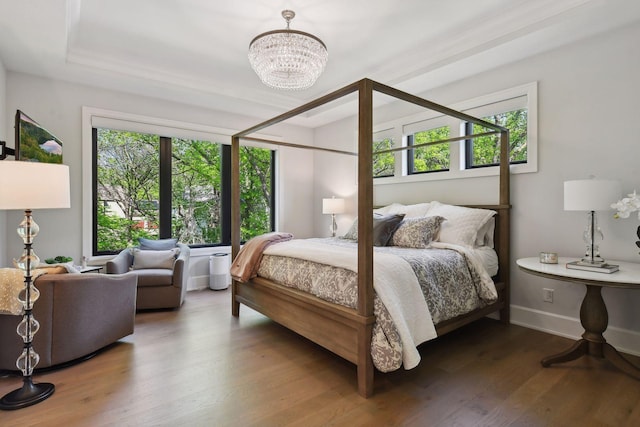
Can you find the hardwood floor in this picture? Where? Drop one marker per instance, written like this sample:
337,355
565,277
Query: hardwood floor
199,366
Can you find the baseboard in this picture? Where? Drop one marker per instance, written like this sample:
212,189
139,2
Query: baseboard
624,340
197,283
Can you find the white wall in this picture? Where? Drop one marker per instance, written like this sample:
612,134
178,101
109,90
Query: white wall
4,132
588,124
57,106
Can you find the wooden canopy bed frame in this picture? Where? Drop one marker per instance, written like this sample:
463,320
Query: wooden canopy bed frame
345,331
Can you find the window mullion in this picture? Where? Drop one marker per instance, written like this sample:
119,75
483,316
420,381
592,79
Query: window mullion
165,202
94,193
410,154
225,196
273,191
468,146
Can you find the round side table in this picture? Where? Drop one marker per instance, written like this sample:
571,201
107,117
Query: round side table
593,311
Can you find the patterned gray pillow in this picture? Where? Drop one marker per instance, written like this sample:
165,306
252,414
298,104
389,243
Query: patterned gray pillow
417,232
352,234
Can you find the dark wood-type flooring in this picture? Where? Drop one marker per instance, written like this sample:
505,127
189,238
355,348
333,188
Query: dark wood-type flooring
199,366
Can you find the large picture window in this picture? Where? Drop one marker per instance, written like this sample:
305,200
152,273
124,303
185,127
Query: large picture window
159,187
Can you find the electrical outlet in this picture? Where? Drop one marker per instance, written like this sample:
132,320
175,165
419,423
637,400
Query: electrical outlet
547,295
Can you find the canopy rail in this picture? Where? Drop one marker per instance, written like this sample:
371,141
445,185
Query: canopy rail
365,89
441,141
292,145
364,305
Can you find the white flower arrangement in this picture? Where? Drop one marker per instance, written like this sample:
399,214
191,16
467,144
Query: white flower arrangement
626,206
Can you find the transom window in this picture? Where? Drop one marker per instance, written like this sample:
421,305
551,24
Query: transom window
429,158
485,150
456,156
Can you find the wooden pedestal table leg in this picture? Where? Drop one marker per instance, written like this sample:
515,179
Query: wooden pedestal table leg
578,349
595,319
617,360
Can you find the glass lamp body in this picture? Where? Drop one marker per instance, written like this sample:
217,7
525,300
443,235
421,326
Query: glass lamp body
30,393
592,237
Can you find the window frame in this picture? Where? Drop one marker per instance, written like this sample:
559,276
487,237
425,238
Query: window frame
500,107
468,150
165,194
410,156
93,118
525,95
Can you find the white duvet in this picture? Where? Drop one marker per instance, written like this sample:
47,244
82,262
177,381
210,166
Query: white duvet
394,282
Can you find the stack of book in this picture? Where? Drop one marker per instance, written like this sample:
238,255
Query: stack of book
598,268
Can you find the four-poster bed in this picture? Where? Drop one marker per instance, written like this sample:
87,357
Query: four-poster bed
348,331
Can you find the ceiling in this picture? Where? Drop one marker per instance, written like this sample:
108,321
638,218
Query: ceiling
195,51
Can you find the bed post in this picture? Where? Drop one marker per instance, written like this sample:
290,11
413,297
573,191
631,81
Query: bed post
345,331
235,215
365,235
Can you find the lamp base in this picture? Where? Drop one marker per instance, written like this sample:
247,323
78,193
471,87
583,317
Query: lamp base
28,395
334,225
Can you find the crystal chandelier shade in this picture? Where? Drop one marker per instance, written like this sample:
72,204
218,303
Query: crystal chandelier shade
288,59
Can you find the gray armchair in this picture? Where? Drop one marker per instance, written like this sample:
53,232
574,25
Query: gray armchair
78,315
162,283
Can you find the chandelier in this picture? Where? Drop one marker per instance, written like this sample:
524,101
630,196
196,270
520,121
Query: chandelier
288,59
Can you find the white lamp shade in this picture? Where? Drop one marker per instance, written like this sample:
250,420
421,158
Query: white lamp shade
332,206
33,185
590,194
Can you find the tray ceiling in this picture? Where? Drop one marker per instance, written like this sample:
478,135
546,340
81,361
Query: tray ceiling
195,51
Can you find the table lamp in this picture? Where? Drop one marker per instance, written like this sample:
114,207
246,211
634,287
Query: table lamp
26,186
591,195
333,206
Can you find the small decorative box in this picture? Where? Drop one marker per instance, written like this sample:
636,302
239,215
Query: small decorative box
548,257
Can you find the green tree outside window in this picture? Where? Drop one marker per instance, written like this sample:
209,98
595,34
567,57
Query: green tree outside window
485,150
384,163
128,189
430,158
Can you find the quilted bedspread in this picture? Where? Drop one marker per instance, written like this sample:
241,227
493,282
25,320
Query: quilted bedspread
450,280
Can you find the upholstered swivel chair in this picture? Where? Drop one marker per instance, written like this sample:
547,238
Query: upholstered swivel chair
162,267
78,315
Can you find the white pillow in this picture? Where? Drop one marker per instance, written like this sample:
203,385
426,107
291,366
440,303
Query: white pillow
153,259
485,234
388,209
415,211
409,211
462,224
